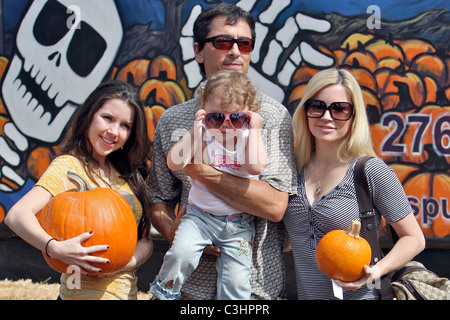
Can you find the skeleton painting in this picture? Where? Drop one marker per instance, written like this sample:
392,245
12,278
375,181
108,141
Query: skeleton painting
55,52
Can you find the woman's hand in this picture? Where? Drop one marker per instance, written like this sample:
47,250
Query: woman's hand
72,252
143,251
370,277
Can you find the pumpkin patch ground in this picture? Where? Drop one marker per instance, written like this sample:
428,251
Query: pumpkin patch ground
28,290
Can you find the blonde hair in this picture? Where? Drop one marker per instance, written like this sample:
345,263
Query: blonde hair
358,141
232,87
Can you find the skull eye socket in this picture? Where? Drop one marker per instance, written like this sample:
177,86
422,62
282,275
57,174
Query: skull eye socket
51,23
87,46
85,50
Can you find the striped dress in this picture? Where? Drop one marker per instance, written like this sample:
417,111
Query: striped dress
307,224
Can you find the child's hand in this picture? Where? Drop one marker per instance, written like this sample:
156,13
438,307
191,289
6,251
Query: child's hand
198,122
256,120
199,116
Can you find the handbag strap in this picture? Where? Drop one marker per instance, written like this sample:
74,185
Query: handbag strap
368,222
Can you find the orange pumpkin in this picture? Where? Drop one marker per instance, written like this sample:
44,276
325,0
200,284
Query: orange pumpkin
427,190
38,161
356,40
394,86
342,254
134,72
362,58
303,74
365,78
297,93
163,64
414,47
430,65
153,114
161,92
101,210
383,49
2,214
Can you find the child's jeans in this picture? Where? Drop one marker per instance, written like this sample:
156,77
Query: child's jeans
232,234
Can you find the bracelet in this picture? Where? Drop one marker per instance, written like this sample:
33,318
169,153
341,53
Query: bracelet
46,246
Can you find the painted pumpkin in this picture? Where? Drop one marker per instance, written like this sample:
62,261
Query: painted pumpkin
342,254
101,210
427,189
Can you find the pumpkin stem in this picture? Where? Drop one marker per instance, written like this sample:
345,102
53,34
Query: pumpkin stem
79,181
354,229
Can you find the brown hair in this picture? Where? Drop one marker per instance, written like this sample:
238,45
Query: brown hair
131,160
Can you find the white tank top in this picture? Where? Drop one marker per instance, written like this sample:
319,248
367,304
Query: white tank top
222,159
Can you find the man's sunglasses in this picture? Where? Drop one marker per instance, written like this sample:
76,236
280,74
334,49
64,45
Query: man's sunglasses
226,43
215,120
338,110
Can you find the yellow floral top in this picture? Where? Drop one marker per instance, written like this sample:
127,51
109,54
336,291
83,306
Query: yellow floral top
122,285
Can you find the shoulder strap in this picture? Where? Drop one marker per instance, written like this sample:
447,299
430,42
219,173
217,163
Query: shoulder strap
366,208
368,222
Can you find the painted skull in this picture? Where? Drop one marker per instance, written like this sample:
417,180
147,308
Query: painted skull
63,52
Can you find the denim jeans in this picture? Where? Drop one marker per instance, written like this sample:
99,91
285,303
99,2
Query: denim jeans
232,234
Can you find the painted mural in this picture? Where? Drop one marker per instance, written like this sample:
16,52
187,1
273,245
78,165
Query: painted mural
54,52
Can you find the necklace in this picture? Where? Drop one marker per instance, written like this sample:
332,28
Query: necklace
318,188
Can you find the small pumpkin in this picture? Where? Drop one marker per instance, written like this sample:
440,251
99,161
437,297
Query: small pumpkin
426,187
38,160
430,65
398,85
161,92
101,210
342,254
134,72
355,40
384,48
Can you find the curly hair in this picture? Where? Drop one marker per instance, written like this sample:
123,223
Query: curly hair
232,87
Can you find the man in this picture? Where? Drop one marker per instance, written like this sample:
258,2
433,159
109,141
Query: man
217,31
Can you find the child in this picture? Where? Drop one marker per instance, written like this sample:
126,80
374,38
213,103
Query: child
232,143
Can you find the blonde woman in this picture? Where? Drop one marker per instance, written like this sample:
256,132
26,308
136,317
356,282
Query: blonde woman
332,132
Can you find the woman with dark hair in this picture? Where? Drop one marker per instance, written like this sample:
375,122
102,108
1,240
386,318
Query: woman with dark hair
107,144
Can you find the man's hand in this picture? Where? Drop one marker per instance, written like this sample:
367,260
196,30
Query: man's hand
209,249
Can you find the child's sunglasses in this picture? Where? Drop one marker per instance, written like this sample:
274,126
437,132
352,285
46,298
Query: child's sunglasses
215,120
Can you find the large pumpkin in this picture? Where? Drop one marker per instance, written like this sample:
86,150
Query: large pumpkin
101,210
342,254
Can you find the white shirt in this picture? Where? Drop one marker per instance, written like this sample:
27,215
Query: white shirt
225,160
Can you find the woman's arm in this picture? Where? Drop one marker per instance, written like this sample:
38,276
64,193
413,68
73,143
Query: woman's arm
143,251
411,242
21,218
